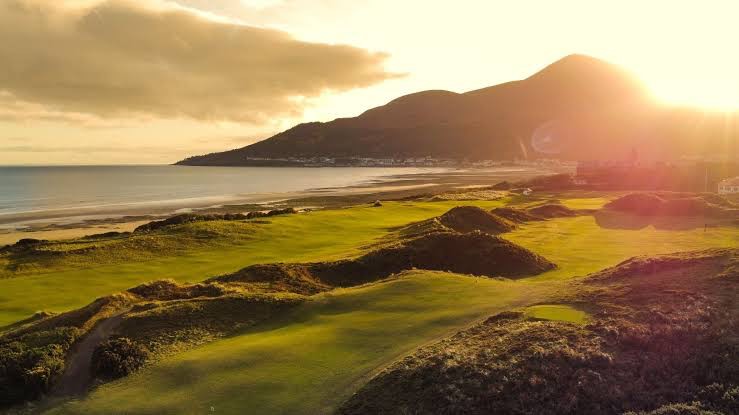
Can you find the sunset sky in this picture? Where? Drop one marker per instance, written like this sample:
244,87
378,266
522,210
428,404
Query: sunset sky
153,81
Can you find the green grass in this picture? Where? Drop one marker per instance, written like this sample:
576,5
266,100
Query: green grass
317,356
579,246
312,359
557,312
314,236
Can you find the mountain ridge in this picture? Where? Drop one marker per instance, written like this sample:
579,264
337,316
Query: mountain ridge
578,107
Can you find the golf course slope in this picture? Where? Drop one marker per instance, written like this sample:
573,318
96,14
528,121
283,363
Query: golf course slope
661,337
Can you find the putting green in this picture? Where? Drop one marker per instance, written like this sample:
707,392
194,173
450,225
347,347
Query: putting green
557,313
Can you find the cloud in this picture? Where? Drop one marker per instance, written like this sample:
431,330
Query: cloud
126,58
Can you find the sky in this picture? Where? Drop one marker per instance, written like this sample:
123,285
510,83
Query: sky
154,81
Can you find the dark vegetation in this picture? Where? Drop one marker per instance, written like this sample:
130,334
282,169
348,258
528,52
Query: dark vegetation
187,218
117,358
107,235
194,217
23,245
662,339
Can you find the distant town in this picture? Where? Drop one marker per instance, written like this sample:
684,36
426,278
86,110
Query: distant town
400,162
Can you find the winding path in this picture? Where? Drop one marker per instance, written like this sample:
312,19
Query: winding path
77,376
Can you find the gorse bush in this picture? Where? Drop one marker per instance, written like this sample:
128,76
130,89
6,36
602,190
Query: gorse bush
30,364
118,357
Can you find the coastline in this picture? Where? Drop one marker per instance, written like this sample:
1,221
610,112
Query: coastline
74,222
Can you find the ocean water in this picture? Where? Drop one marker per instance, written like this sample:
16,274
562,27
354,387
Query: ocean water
33,193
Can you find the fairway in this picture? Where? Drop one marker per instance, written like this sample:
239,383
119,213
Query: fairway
317,356
579,246
314,236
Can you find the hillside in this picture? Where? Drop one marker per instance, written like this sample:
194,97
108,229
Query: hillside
576,108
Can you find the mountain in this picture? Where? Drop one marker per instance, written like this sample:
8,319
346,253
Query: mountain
576,108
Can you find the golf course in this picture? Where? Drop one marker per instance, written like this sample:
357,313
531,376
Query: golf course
313,356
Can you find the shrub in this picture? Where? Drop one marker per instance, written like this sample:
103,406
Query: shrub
30,364
118,357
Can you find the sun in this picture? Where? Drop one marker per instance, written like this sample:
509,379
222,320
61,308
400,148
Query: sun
705,96
715,89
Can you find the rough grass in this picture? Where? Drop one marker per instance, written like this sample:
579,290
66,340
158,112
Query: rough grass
660,339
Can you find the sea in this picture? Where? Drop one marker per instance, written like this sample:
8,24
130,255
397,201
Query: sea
31,194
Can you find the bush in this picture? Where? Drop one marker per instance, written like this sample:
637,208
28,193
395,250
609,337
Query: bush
118,357
30,364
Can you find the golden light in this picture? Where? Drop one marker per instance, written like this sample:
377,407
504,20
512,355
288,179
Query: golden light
709,92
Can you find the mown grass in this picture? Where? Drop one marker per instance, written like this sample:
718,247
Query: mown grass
226,247
579,246
314,358
557,312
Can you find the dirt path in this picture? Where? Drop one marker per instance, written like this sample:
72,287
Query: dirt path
77,375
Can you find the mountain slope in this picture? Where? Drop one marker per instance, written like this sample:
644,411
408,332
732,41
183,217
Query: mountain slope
578,107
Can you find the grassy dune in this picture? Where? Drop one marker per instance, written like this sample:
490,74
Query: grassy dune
318,355
199,251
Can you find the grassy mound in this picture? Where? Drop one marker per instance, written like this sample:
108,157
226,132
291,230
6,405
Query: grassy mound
651,344
187,218
515,215
474,253
646,266
665,204
167,290
472,218
462,219
296,278
551,211
163,327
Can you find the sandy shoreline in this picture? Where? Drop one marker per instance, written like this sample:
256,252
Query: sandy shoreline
76,222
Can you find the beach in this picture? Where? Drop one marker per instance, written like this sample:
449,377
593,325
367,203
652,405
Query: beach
156,192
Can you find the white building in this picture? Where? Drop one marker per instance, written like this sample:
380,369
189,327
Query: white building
729,186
